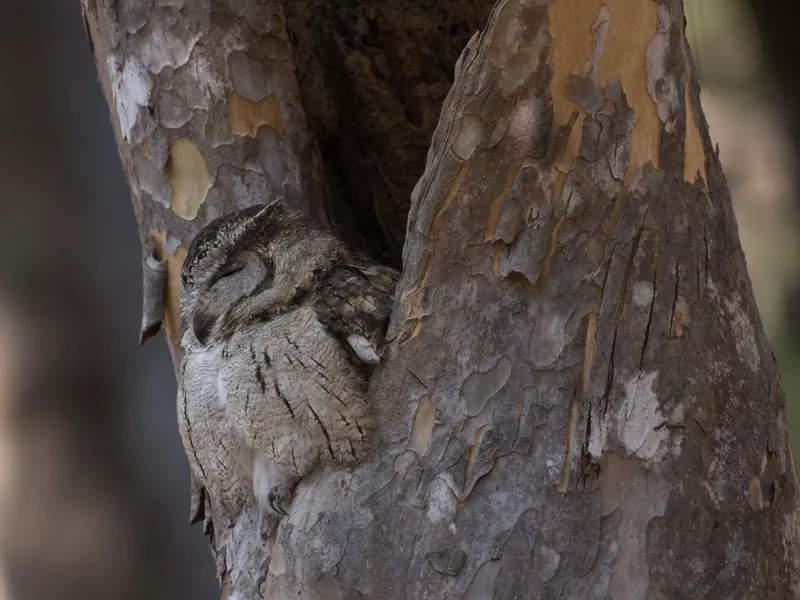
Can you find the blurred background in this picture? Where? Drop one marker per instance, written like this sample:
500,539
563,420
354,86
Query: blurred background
94,485
94,490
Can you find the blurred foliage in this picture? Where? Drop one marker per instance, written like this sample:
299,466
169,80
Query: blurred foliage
726,46
739,99
787,350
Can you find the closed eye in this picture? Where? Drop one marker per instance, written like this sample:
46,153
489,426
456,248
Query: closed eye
227,271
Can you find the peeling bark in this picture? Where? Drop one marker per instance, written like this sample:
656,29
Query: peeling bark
578,399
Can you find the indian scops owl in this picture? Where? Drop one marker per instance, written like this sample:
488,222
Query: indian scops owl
280,326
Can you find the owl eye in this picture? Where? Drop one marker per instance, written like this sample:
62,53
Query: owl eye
228,270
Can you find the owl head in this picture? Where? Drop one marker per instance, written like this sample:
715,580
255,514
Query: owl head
251,265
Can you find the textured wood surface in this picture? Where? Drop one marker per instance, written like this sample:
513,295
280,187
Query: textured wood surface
577,399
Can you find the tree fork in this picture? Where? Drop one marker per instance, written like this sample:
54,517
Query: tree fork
578,398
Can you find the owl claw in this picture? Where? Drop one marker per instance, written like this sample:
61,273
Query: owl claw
279,496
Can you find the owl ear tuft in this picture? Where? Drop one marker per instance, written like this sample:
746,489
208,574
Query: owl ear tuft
261,218
268,208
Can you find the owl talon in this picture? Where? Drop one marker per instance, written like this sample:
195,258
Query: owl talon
279,496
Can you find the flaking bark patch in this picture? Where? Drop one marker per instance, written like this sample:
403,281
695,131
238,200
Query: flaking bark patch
638,495
424,422
189,179
173,259
245,116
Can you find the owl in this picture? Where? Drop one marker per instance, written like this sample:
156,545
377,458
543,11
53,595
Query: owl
280,326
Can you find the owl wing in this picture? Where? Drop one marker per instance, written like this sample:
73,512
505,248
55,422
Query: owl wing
293,393
354,303
211,445
296,386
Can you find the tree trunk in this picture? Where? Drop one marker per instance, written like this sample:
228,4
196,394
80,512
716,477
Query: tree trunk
579,400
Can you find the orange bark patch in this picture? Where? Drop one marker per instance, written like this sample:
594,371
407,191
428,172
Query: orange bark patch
496,252
632,25
189,179
572,428
569,156
145,147
449,196
424,422
245,117
552,246
173,286
572,148
571,30
473,449
695,160
497,201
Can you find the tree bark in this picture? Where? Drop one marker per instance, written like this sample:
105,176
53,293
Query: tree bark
579,400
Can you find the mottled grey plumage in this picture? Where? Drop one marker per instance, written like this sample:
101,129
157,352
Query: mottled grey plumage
280,322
